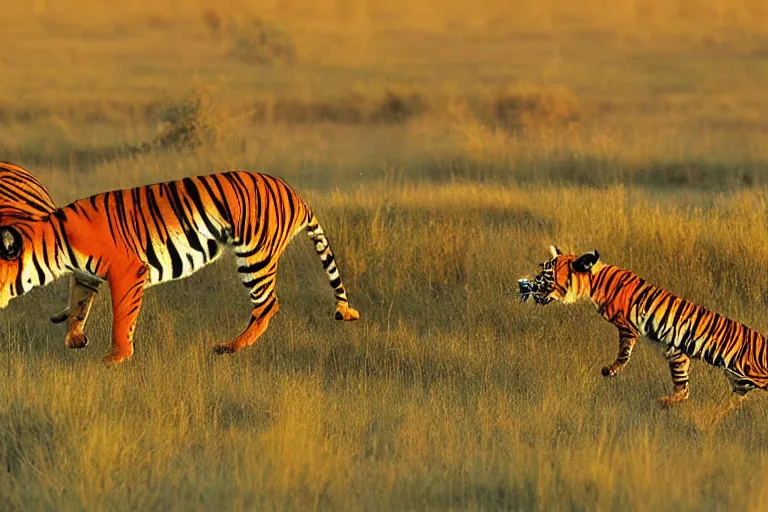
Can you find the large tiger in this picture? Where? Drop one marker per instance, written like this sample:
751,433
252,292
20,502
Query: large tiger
637,308
136,238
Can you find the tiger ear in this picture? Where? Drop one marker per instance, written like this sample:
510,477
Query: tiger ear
586,261
10,243
554,251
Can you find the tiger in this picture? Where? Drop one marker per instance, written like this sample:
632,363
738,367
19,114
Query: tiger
637,308
135,238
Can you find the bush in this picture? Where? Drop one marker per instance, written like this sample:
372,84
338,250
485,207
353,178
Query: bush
187,125
261,43
535,107
398,106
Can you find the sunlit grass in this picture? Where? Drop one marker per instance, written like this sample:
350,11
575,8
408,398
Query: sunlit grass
443,148
448,393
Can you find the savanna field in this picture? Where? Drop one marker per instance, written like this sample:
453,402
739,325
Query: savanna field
444,146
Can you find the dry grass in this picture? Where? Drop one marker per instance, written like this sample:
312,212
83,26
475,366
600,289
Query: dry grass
643,18
449,393
444,148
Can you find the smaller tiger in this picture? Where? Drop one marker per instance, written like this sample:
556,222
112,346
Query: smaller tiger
636,308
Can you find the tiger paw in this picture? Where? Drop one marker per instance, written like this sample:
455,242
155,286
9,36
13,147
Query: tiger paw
76,340
668,401
60,316
115,358
224,348
609,371
346,313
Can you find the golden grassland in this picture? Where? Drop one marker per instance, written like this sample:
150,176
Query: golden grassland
444,147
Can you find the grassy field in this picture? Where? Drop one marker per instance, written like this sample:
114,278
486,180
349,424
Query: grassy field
444,147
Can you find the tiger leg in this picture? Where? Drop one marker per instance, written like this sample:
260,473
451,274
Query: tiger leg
627,339
679,364
83,290
82,281
264,308
127,289
739,384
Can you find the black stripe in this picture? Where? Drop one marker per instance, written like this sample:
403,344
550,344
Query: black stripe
152,258
220,208
155,214
213,248
217,180
19,284
194,194
327,262
687,344
194,241
70,252
254,268
176,266
46,260
38,268
241,234
248,253
108,213
258,280
266,309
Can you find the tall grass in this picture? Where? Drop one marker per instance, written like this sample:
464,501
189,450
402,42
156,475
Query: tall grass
448,393
444,147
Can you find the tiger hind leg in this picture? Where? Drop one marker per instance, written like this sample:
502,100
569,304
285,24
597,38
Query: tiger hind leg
740,385
265,306
679,364
259,322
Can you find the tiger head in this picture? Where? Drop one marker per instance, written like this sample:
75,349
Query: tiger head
565,278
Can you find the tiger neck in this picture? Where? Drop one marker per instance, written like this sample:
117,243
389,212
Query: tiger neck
56,248
598,278
579,288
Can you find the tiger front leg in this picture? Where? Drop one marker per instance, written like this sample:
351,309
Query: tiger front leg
83,290
127,289
627,339
679,365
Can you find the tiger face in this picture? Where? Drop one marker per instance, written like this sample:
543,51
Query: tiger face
564,278
11,248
